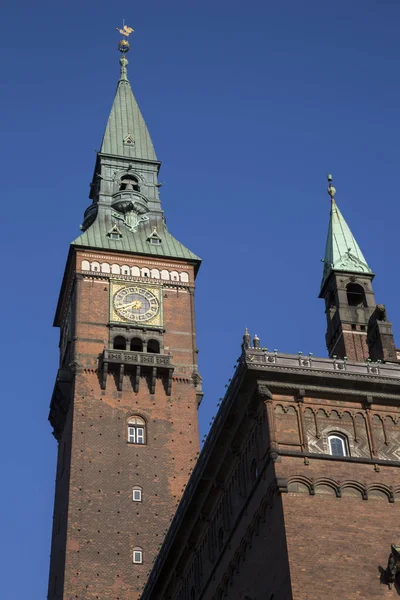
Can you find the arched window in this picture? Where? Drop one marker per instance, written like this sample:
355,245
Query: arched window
136,430
137,493
138,556
153,346
355,295
136,345
129,182
337,445
119,343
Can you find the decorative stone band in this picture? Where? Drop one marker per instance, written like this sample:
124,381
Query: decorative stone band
299,362
300,484
139,358
123,360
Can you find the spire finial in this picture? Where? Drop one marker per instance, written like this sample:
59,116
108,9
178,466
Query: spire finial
331,189
246,339
123,46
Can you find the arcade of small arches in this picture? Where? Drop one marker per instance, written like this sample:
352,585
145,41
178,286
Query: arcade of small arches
114,269
326,486
296,485
136,344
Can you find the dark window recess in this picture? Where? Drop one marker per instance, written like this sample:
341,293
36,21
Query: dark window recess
254,471
355,295
136,345
153,346
129,183
220,539
119,343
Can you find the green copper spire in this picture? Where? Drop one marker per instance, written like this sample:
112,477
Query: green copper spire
126,213
126,132
342,253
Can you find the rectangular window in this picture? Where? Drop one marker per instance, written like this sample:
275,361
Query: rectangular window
140,435
137,557
137,495
132,435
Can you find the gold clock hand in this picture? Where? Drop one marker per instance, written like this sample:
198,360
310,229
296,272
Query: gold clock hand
127,305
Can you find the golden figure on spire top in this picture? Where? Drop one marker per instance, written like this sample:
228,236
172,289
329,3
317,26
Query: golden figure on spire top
126,31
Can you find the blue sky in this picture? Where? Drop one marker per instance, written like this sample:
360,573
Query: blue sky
249,105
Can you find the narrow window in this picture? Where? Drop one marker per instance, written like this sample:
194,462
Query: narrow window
337,445
138,556
137,494
254,471
136,430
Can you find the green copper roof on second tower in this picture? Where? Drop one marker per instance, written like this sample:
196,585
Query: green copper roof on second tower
126,133
342,253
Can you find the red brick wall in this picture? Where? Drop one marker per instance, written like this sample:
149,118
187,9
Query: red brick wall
104,524
337,546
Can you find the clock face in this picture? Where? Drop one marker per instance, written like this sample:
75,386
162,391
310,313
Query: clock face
136,304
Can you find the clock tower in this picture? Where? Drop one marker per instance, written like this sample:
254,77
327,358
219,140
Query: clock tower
124,406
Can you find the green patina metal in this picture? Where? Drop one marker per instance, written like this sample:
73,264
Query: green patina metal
342,253
126,213
97,236
126,133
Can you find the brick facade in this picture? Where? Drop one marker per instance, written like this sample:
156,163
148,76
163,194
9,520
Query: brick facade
96,522
269,512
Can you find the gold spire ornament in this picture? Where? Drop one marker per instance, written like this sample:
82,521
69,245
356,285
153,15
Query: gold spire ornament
123,45
126,30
